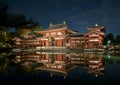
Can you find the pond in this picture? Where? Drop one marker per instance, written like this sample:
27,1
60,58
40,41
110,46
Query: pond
51,67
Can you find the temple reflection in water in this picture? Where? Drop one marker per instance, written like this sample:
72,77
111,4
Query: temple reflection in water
61,63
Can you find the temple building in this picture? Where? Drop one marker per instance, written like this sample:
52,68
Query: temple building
92,39
77,41
60,36
26,39
95,36
55,35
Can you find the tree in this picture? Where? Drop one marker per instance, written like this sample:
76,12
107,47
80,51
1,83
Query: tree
4,19
37,27
18,20
34,25
110,37
4,24
4,15
117,39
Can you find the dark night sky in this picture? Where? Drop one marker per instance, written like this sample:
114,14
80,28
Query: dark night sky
79,14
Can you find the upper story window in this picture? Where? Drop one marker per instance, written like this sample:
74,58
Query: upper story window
53,33
47,34
93,35
97,29
59,33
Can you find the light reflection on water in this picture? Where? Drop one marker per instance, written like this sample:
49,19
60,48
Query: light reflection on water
67,67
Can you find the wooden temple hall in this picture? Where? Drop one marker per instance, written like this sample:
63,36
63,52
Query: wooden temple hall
60,36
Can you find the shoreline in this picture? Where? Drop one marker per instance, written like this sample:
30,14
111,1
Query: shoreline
59,50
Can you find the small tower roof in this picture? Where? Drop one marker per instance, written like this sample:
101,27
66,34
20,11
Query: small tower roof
51,24
64,22
96,24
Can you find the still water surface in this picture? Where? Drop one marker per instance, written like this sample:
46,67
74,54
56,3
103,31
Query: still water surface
52,67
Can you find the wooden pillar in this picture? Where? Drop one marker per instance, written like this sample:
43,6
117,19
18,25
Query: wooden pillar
47,43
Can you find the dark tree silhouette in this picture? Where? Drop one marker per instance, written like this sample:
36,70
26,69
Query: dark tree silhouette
117,39
4,19
18,20
110,37
4,15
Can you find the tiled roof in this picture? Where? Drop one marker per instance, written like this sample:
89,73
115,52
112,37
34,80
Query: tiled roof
57,26
96,27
